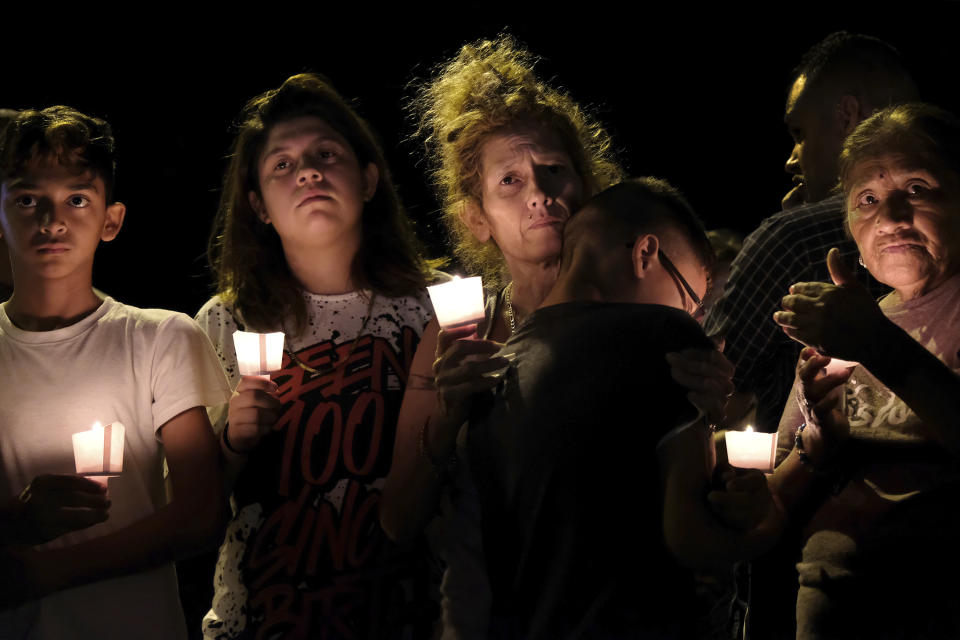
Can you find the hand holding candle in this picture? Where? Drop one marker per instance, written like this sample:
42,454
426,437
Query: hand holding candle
98,453
252,413
750,449
258,353
53,505
458,303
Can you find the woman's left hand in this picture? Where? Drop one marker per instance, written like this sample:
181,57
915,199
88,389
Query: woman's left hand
840,320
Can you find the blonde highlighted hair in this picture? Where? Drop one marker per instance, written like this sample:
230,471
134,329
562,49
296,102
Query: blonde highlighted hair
488,86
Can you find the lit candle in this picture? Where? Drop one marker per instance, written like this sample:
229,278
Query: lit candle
459,302
98,453
751,450
258,353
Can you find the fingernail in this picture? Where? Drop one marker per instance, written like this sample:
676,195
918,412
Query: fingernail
509,357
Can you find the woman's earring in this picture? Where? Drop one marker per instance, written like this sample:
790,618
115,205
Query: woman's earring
860,260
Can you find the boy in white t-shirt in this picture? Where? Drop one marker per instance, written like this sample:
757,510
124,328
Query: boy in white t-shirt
91,562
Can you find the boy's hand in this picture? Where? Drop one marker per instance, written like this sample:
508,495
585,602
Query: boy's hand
252,412
53,505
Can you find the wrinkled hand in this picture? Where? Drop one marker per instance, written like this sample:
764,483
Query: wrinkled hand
253,411
707,374
464,366
746,500
839,319
827,425
53,505
816,381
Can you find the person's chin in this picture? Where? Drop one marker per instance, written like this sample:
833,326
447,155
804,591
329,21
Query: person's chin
904,271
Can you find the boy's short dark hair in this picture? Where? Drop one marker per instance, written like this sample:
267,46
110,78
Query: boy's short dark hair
627,210
78,141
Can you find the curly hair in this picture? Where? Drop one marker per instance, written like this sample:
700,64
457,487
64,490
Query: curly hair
247,256
486,87
77,141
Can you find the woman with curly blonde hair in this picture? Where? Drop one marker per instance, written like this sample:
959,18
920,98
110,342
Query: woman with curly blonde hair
512,158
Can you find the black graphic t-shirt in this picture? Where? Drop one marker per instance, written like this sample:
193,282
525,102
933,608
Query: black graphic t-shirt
564,457
304,556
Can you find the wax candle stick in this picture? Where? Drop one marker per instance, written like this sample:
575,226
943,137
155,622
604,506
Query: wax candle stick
750,449
458,302
258,353
98,453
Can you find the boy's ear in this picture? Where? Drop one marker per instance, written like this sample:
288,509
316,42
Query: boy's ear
645,254
113,221
473,216
371,180
257,205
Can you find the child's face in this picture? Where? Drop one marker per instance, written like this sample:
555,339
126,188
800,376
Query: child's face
312,186
52,218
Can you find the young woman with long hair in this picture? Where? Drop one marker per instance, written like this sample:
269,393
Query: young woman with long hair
311,240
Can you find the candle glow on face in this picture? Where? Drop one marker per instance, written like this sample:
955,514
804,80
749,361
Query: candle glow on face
458,302
99,452
751,450
258,353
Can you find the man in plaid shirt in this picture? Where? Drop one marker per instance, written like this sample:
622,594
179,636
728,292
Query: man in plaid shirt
840,81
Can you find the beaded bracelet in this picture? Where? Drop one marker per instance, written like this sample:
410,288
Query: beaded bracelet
802,453
440,469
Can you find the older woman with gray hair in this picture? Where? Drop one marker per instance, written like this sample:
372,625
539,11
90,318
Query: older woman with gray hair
869,451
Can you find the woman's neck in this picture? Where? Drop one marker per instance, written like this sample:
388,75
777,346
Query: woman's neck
325,271
531,284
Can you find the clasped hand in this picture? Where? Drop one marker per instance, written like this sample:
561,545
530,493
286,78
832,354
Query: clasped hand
840,319
745,501
820,396
53,505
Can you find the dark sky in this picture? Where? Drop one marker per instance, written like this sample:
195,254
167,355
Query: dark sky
690,94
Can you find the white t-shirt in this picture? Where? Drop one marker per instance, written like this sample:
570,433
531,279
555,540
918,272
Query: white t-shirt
140,367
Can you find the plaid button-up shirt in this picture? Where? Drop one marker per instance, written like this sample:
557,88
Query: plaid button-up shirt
788,247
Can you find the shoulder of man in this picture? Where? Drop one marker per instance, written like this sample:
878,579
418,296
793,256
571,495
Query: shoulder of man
793,229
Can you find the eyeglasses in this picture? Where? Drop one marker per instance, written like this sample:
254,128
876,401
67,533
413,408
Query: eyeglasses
672,269
680,281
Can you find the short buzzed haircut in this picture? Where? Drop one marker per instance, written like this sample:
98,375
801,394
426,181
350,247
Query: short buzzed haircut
861,65
645,205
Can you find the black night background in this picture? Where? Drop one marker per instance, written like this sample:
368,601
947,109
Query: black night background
691,93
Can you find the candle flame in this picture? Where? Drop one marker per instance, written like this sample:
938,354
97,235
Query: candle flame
96,425
749,428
